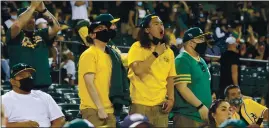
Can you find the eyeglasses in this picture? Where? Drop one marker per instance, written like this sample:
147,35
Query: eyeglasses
202,66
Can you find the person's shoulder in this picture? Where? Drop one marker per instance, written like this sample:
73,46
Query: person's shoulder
136,44
38,93
7,96
90,51
182,57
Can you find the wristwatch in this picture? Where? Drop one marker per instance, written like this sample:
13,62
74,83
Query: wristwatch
200,106
155,54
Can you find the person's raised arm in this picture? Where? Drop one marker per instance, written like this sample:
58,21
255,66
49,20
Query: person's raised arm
23,19
55,27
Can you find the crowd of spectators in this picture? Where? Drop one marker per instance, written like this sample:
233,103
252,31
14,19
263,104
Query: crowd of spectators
246,21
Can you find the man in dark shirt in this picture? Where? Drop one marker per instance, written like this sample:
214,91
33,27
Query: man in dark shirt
229,72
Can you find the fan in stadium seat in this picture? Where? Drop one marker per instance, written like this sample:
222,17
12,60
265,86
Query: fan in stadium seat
25,107
66,106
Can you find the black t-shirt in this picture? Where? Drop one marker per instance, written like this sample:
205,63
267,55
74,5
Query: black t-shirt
228,59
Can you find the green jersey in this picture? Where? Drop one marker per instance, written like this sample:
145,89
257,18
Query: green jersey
196,74
32,50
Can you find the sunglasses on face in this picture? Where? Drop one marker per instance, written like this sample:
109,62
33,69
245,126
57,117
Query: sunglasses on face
202,66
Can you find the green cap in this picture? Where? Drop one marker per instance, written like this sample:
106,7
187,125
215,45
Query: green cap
146,20
192,33
20,67
106,18
79,123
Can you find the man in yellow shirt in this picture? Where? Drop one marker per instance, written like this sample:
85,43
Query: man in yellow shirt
246,110
95,78
151,71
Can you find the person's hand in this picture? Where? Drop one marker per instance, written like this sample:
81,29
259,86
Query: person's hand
31,124
169,105
102,114
250,29
254,125
41,7
203,113
160,48
35,4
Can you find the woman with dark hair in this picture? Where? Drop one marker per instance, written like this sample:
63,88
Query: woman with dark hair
219,112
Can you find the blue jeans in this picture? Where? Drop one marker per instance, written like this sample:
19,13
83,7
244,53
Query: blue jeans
6,68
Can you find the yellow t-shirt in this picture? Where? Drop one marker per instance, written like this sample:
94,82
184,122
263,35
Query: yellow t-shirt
151,89
251,111
96,61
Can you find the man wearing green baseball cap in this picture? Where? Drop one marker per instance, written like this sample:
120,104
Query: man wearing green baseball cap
192,83
25,107
26,44
83,30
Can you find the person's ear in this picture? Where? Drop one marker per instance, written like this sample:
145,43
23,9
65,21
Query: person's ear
13,82
213,115
147,30
93,35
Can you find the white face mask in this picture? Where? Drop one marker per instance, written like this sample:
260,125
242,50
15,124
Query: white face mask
14,17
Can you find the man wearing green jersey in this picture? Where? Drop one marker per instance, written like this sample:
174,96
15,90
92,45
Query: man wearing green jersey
29,45
192,83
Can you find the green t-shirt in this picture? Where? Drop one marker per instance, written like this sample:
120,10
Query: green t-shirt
20,50
197,75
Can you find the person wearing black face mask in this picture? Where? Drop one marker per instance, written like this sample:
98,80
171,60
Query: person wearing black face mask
212,49
151,72
26,104
192,83
109,20
101,73
245,109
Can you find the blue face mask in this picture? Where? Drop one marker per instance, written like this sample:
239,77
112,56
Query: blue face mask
236,101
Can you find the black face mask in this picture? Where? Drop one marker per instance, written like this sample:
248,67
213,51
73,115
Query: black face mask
27,84
103,36
201,48
156,40
112,33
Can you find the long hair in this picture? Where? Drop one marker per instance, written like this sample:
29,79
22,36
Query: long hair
145,40
213,109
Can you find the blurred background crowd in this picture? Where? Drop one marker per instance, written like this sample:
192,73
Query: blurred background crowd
246,21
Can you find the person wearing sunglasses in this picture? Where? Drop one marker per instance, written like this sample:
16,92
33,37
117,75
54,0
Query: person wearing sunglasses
192,83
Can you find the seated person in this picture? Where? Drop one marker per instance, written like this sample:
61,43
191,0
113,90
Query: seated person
246,109
218,113
25,107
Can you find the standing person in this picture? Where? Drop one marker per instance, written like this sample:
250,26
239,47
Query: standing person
79,11
229,61
151,72
29,45
103,85
192,94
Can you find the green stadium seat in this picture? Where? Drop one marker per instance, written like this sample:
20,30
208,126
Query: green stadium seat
71,95
74,100
6,87
65,90
66,106
54,94
60,100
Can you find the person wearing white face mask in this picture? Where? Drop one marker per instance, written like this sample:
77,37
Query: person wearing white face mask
13,17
